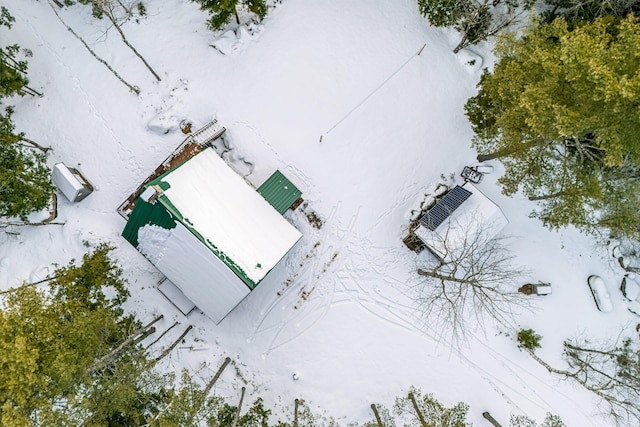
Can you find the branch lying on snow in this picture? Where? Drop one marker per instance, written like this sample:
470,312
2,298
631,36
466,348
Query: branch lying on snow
132,88
611,372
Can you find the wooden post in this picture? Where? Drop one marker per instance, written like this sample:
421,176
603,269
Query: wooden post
295,413
235,418
423,423
377,415
492,420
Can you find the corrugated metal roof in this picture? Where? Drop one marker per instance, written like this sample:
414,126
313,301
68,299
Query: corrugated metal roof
445,206
279,192
165,214
146,213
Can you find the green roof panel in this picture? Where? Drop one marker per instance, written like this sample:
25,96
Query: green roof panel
279,192
146,213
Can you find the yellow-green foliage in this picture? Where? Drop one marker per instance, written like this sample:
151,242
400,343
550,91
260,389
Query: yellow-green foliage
49,338
561,109
555,83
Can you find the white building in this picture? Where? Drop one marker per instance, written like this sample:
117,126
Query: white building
211,234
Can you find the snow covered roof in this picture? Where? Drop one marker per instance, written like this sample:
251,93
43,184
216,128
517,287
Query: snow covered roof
474,214
203,278
69,183
223,211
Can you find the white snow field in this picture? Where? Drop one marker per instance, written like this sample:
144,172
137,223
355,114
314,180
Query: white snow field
334,94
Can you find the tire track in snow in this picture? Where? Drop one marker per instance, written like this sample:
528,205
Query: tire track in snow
319,283
403,316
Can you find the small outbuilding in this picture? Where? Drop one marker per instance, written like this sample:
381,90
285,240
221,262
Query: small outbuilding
461,212
70,182
211,234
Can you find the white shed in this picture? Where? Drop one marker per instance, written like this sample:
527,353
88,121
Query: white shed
70,182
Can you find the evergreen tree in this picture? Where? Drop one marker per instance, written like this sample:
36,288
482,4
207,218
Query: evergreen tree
528,339
221,11
588,10
25,184
476,20
560,111
51,339
426,410
12,69
550,420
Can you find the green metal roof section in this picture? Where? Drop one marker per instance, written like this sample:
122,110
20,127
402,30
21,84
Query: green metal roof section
279,192
146,213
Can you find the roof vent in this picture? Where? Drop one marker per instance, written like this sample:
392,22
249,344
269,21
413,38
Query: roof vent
151,194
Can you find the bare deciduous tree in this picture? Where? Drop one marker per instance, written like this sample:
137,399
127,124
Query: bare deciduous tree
477,20
133,88
472,279
611,371
117,13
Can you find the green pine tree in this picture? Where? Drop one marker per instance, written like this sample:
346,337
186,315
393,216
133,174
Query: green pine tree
51,338
426,410
25,184
528,339
222,11
560,111
475,20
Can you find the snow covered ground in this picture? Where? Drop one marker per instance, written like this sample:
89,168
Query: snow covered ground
335,95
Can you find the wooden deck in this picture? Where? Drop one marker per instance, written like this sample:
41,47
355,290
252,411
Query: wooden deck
192,145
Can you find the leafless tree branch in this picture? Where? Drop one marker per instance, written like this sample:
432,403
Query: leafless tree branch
474,279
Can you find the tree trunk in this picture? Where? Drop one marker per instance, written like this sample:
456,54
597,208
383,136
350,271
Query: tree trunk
31,91
107,359
235,12
546,196
173,345
237,416
143,335
568,374
462,44
133,49
376,414
216,376
26,285
504,152
295,412
36,145
132,88
423,423
545,364
491,419
162,334
448,278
